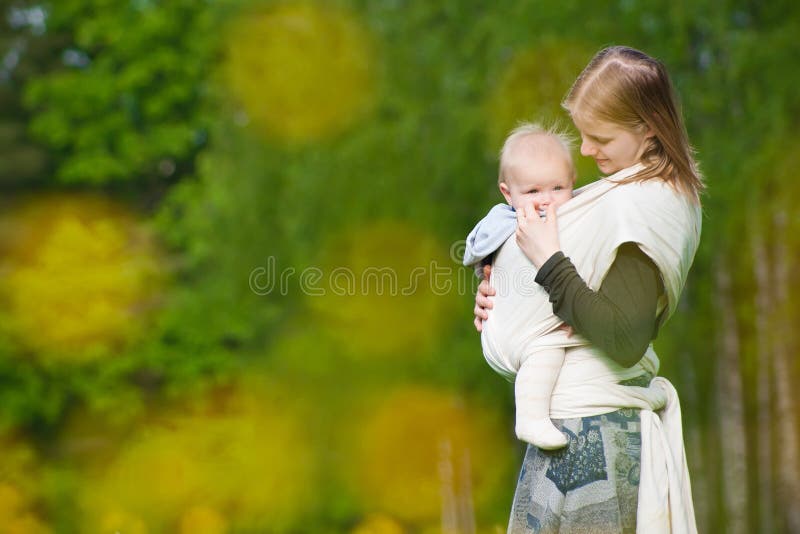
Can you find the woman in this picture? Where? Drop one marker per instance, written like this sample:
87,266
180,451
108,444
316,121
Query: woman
625,109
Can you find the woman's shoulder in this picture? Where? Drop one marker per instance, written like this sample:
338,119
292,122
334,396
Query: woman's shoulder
653,191
654,203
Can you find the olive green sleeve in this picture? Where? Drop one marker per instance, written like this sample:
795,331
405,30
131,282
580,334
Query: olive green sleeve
619,318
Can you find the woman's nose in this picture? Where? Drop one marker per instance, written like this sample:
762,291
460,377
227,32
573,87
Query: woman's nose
587,148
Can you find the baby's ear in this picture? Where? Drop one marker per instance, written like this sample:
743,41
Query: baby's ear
506,192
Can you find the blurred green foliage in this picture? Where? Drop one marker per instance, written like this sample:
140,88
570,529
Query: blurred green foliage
125,103
119,96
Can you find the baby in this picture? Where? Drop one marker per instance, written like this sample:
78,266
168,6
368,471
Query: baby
535,168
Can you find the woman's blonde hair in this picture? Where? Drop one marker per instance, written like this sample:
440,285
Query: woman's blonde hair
627,87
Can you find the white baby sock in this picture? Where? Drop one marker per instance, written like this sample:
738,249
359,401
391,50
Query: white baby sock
533,387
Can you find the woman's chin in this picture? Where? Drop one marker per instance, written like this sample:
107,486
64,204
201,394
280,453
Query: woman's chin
606,167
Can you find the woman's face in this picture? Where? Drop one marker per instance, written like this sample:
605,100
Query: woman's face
613,147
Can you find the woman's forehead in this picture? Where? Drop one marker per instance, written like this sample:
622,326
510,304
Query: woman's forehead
595,127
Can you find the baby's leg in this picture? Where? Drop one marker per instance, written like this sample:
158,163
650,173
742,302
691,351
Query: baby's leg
533,387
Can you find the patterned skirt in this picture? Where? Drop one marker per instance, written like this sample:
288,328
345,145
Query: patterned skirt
590,486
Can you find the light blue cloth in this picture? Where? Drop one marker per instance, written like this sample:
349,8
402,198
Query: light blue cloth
490,232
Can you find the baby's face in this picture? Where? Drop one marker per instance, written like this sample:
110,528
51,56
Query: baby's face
539,180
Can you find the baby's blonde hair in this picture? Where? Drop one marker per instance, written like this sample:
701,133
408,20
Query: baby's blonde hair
628,88
533,131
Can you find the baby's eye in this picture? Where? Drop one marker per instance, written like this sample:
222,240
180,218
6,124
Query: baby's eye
558,188
533,191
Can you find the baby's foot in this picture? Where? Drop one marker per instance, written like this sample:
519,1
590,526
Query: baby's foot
542,433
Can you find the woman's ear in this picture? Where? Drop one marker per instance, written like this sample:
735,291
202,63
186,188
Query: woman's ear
506,192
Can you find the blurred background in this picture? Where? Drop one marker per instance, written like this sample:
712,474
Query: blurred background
230,300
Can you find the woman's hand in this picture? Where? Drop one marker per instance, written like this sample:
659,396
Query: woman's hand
537,237
568,329
482,302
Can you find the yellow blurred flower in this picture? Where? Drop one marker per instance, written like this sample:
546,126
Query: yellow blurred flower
422,452
386,288
301,71
81,276
202,520
15,514
10,501
378,524
238,459
436,528
26,524
120,521
20,486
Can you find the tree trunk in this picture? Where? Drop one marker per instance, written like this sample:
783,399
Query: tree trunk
466,507
731,408
764,310
786,421
455,477
699,468
449,518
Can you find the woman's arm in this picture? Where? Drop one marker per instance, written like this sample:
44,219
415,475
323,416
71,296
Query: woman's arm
619,318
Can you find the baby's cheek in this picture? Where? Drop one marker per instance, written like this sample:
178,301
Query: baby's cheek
562,199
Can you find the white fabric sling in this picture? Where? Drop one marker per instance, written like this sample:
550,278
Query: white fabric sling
588,385
665,224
